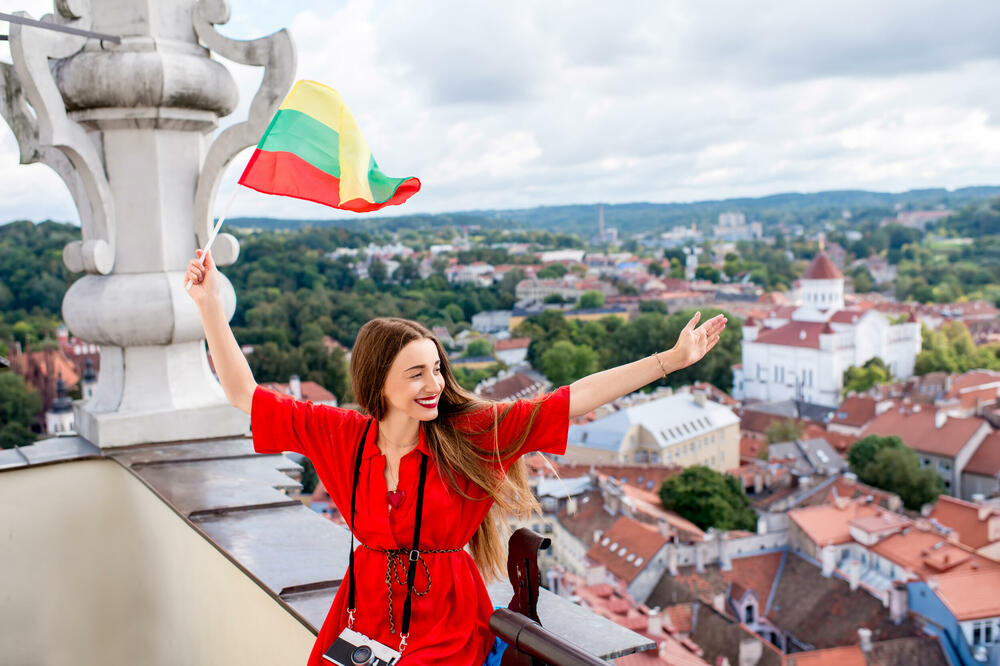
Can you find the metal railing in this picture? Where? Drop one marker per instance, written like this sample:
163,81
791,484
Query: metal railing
530,644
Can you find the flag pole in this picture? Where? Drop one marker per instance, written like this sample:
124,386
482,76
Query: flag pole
215,232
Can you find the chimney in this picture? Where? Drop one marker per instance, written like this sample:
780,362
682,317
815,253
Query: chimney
665,530
295,386
571,506
655,624
865,639
596,575
597,535
672,559
751,650
699,398
725,563
719,602
699,558
828,556
940,418
854,573
758,483
897,603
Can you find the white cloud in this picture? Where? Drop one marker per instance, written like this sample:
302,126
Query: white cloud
521,103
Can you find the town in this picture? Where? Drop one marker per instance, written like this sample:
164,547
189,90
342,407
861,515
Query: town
823,489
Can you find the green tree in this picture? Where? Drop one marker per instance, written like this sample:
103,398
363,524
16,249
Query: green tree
591,300
896,468
564,362
15,434
783,431
455,313
478,347
887,463
951,349
19,404
707,272
874,372
552,271
378,272
708,499
863,452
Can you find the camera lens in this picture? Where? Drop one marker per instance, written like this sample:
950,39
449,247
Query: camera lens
361,655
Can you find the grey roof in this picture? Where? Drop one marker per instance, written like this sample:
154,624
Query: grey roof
793,409
811,456
671,419
562,488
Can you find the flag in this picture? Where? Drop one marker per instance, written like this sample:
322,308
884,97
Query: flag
314,150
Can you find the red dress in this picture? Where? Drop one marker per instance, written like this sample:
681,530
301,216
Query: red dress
449,625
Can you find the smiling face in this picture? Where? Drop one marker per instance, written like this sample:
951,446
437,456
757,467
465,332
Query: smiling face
414,382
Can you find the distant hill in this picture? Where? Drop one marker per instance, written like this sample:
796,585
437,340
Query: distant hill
788,208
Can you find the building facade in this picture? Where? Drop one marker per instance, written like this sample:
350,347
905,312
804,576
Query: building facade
801,353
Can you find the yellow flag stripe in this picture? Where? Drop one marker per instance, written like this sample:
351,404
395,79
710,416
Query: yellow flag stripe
324,104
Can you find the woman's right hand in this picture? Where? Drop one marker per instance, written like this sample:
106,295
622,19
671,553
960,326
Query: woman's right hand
204,279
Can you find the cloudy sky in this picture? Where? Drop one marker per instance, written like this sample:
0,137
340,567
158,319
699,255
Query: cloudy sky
516,104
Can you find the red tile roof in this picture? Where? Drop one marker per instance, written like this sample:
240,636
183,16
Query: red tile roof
794,334
311,391
679,617
822,268
839,441
855,411
850,655
964,518
986,460
971,595
918,430
830,523
629,538
847,316
512,343
755,574
750,447
927,553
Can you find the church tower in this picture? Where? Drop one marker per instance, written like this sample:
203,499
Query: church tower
821,286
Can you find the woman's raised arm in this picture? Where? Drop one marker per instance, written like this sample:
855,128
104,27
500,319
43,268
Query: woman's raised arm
230,364
592,391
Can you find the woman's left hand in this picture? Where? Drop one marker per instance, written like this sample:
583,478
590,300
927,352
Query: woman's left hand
693,343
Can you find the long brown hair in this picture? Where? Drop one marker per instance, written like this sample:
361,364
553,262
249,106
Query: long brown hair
453,451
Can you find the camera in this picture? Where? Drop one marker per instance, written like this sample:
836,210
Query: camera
355,649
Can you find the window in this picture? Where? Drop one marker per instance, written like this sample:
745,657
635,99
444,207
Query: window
750,612
977,633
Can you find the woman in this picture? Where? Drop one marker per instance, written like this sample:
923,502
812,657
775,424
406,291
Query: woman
418,412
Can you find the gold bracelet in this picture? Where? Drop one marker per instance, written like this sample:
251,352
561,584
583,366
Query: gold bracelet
660,363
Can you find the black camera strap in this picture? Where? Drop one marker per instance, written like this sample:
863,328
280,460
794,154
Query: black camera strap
413,554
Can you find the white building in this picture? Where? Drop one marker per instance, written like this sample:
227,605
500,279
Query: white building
682,429
801,353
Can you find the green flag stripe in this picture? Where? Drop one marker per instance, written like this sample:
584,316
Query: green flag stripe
294,132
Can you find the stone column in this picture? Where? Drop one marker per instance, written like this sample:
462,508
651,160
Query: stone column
129,128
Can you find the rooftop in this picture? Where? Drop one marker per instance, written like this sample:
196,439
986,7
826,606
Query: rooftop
822,268
970,521
626,547
794,334
927,553
986,460
830,523
855,411
917,428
